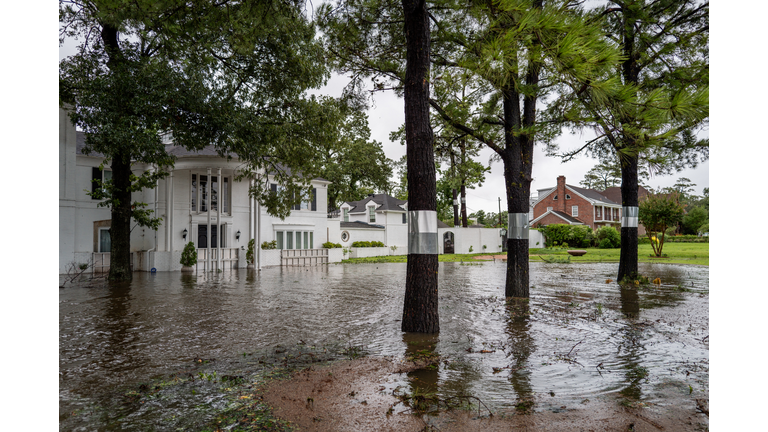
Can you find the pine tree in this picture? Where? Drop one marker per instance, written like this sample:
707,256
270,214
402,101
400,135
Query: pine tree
650,107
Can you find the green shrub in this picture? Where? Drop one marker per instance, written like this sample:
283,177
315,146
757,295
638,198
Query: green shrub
377,244
704,228
331,245
269,245
605,244
608,233
670,231
189,255
367,244
249,252
568,235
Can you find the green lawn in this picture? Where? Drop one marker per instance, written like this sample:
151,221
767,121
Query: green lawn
678,253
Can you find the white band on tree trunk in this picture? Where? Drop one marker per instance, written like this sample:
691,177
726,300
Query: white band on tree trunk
629,217
517,228
422,232
455,202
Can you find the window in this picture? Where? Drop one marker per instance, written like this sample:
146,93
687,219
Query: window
372,214
105,241
306,240
555,198
289,240
98,174
279,238
298,240
598,213
405,217
346,215
567,196
575,211
199,194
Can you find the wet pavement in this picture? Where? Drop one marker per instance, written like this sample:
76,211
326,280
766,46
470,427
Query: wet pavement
580,336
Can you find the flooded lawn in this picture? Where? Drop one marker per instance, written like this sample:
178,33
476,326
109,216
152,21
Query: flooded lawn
581,337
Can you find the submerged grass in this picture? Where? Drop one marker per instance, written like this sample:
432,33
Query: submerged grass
677,253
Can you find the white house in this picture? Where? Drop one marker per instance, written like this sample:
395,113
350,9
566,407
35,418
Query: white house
200,196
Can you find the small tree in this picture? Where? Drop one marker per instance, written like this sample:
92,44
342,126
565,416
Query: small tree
658,212
189,255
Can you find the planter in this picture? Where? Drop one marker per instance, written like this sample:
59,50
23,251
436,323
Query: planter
250,266
577,252
187,269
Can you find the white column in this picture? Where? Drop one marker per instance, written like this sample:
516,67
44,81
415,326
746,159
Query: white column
170,212
208,208
167,213
251,215
219,202
257,246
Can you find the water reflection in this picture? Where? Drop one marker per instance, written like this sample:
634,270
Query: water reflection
111,337
522,345
421,348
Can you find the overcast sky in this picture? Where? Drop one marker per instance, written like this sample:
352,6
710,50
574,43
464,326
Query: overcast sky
387,114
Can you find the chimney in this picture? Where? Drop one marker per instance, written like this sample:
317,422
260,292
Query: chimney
560,205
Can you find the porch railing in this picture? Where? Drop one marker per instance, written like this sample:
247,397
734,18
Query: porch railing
304,257
229,258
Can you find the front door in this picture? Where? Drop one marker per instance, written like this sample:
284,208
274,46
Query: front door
202,236
448,243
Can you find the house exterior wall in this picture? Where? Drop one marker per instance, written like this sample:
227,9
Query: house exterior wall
80,217
586,212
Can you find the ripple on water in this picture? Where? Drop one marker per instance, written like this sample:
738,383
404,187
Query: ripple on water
578,337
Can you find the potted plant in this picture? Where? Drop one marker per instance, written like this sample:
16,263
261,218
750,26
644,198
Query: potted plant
188,257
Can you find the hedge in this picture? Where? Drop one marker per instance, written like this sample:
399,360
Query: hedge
367,244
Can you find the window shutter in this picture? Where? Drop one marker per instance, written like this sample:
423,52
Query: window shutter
95,175
314,199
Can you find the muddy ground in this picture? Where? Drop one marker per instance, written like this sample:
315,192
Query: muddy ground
358,395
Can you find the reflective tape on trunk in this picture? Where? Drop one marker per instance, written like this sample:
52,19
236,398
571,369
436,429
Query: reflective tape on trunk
518,226
422,232
629,217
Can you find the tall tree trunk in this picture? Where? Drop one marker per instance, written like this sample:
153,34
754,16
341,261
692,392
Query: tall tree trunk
120,230
631,74
629,198
420,313
463,204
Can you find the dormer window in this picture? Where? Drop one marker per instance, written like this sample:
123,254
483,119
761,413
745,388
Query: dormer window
372,214
345,212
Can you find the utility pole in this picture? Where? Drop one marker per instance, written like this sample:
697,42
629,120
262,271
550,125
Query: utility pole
499,211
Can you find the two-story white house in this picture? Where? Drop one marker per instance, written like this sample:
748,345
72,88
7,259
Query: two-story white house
200,201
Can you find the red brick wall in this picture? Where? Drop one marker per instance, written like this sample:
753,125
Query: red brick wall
564,205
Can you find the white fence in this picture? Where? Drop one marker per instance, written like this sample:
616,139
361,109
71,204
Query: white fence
304,257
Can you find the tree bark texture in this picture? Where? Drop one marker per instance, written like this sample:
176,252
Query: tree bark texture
463,204
455,209
420,309
120,228
631,74
629,198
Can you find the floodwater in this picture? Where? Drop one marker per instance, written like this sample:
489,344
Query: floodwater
581,335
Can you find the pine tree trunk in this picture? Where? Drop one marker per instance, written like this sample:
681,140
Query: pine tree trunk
120,230
463,204
420,308
518,190
629,198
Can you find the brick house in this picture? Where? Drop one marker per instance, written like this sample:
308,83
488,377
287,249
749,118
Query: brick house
579,206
